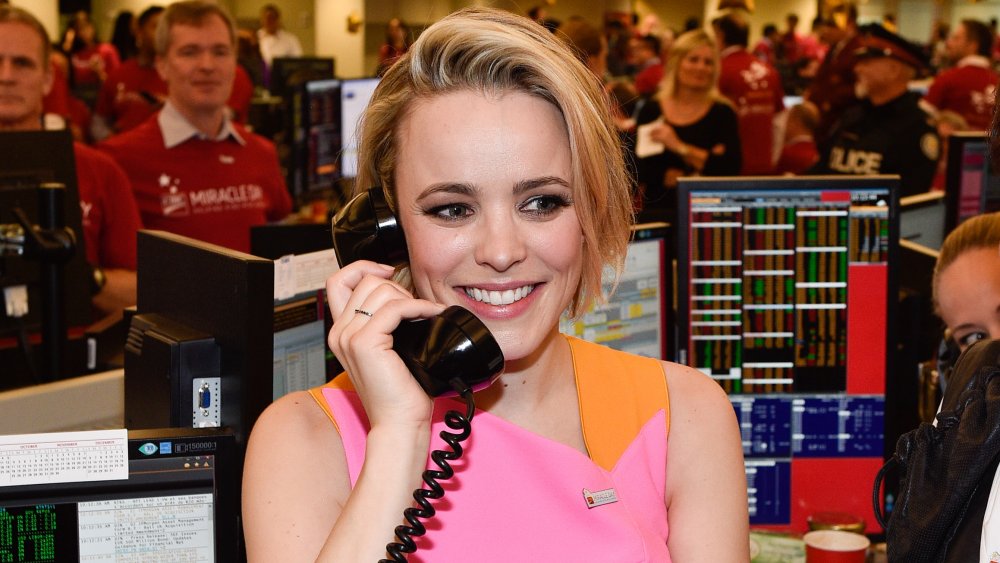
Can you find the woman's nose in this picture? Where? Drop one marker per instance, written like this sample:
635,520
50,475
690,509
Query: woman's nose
500,243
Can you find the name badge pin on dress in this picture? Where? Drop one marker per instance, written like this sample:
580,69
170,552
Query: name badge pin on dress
226,159
599,498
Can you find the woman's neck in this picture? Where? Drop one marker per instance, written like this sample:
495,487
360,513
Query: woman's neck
686,96
686,106
527,383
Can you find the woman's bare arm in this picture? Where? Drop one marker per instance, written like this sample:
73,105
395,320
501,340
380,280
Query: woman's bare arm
297,501
706,487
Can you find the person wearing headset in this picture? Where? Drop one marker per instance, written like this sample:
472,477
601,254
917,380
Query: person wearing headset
496,149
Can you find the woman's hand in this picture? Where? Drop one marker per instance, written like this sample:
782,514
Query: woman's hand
363,342
693,156
665,135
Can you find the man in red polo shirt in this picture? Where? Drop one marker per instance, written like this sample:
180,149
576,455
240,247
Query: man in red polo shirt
969,87
196,172
755,90
135,90
110,217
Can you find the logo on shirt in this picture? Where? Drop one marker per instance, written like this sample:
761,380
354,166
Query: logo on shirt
755,76
599,498
85,209
854,161
982,101
174,203
177,203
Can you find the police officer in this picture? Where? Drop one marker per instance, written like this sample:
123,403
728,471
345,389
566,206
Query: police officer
886,132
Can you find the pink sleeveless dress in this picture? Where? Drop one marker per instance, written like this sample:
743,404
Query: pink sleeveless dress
517,496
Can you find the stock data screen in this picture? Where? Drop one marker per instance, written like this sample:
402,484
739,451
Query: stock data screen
784,299
633,318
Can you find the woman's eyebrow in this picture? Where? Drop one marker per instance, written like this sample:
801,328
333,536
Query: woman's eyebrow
457,188
530,184
462,188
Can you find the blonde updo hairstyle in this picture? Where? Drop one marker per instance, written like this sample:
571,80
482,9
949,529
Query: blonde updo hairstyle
493,52
981,231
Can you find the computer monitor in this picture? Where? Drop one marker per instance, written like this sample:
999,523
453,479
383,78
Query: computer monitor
635,317
302,255
288,73
922,219
180,503
354,97
27,159
189,292
971,186
786,296
317,140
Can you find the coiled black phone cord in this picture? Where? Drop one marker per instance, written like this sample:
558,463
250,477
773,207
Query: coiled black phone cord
432,477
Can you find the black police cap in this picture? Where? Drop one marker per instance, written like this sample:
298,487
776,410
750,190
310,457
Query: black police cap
877,41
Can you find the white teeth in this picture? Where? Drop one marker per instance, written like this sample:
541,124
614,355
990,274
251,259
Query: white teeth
499,298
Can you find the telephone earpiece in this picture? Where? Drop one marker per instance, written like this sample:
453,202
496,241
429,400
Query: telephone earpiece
366,229
454,344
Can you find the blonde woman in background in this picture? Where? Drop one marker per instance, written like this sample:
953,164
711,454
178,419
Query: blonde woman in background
694,124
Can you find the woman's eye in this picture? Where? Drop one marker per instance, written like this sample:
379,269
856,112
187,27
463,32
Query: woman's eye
451,211
544,204
969,339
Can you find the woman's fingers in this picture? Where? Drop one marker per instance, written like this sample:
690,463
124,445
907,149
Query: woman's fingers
341,286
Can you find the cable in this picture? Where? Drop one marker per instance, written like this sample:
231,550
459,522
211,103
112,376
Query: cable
432,477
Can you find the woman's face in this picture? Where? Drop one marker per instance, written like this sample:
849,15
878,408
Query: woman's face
696,68
485,196
87,32
969,296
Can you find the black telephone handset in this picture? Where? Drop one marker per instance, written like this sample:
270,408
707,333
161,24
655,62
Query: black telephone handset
436,350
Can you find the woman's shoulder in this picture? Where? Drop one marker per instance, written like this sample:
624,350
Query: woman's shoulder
295,416
589,356
649,111
721,107
693,391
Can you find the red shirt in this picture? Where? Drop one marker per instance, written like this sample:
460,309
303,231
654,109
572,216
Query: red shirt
647,80
764,51
968,90
832,89
241,96
204,189
797,157
57,100
755,90
83,62
132,93
108,209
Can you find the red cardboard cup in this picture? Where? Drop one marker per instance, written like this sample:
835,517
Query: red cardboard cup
835,546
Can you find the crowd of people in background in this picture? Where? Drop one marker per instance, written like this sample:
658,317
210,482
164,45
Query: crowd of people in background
735,121
703,100
696,99
167,122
